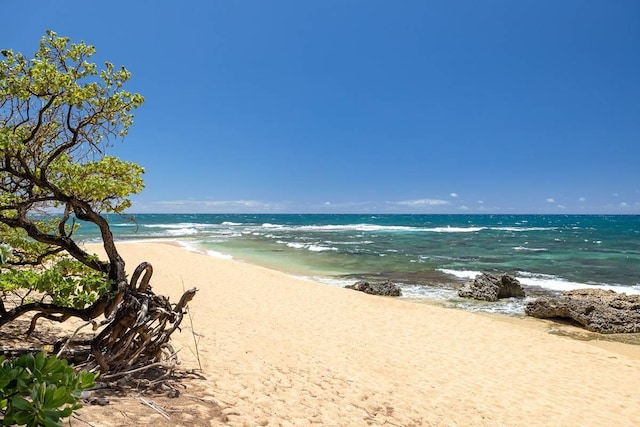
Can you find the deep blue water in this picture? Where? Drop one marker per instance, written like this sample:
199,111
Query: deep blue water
428,254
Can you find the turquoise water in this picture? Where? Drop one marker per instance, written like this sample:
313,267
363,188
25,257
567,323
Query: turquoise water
429,255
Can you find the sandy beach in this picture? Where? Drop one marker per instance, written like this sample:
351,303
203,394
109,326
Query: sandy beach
279,351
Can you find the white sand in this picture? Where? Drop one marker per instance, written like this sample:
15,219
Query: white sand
280,351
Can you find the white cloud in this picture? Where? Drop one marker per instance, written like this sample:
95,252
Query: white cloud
481,202
623,204
582,199
551,200
453,195
421,202
463,208
561,207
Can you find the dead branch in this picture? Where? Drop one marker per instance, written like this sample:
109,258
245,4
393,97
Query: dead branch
135,335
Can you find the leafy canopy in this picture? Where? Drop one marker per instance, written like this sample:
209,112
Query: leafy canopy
59,112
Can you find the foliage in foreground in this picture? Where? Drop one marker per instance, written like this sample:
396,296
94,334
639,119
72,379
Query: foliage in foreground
67,283
40,390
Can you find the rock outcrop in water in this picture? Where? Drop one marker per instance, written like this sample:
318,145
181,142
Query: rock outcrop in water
598,310
487,287
385,288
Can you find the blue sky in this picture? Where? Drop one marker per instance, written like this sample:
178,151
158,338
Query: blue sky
370,106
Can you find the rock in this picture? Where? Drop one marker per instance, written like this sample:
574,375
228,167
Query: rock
598,310
488,287
385,288
100,401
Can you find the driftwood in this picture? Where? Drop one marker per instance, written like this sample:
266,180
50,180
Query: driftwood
134,335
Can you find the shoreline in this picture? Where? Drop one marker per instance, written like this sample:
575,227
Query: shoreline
430,287
558,327
276,350
423,250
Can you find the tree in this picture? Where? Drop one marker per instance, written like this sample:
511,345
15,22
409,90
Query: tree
59,113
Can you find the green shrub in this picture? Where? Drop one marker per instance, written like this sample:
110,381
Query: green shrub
40,390
68,282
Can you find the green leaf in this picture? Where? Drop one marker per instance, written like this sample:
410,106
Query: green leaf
21,404
20,417
59,397
39,361
87,380
52,422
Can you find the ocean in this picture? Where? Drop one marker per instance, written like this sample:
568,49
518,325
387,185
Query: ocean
428,256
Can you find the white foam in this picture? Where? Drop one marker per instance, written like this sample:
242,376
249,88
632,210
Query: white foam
355,227
524,248
363,242
310,247
318,248
219,255
548,281
461,274
506,306
268,225
455,229
190,246
432,292
559,284
179,225
182,232
231,223
517,229
374,227
341,283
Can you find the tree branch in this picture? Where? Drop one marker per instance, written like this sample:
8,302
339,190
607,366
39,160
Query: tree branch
50,310
62,241
39,123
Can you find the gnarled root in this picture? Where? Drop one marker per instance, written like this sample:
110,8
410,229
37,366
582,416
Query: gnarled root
135,335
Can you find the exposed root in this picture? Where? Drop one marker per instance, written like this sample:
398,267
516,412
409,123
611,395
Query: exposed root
134,337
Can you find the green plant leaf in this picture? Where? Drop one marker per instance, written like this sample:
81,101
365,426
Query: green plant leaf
21,404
